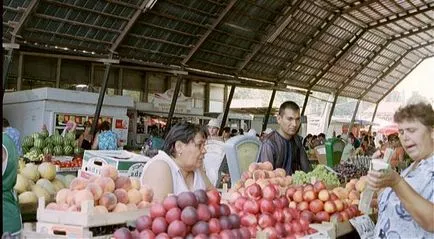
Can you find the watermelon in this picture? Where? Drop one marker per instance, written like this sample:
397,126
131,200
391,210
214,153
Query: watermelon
35,135
47,150
48,141
28,141
78,151
39,143
36,151
26,150
68,150
57,139
44,133
57,150
70,136
67,142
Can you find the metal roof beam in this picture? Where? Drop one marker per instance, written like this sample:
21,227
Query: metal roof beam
17,29
400,16
414,31
63,4
344,51
123,3
273,34
323,28
208,32
403,77
393,66
145,6
75,23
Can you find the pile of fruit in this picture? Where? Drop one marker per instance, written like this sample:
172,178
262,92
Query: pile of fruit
317,204
188,215
41,143
76,162
35,181
109,191
320,172
347,171
352,191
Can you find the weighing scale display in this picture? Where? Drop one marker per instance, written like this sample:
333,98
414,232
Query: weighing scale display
247,153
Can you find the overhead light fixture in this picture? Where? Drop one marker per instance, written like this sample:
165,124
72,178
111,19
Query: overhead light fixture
81,86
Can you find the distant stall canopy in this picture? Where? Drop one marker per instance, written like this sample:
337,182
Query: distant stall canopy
353,48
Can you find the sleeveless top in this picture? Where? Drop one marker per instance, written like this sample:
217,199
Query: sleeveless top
107,140
11,209
178,181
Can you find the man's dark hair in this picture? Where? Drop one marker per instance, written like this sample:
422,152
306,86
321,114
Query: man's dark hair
322,135
226,129
288,105
184,132
6,123
104,126
241,131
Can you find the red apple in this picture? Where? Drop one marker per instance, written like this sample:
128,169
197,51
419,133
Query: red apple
336,217
322,216
254,192
330,207
316,206
324,195
303,206
345,216
307,215
308,187
333,196
318,186
290,193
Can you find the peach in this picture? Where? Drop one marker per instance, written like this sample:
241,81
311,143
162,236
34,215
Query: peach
82,196
62,195
123,182
120,207
70,197
134,196
121,195
52,206
62,206
135,183
108,200
107,184
78,184
147,193
95,189
109,171
144,204
309,195
100,209
354,195
323,195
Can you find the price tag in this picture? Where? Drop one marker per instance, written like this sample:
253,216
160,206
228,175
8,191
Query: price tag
364,226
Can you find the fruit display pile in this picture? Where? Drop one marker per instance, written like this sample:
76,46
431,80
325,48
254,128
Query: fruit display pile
188,215
109,191
34,181
41,143
76,162
347,171
320,173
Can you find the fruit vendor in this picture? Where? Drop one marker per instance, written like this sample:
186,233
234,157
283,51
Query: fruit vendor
406,206
178,167
283,147
11,211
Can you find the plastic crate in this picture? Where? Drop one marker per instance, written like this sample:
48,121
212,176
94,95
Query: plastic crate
86,218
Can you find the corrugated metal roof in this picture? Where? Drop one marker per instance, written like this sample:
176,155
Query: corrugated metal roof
355,48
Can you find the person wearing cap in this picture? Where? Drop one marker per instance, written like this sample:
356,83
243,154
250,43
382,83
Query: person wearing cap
283,147
213,128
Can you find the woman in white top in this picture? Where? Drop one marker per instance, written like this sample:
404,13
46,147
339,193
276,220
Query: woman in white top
178,167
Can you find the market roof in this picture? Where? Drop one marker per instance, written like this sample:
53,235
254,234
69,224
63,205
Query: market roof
354,48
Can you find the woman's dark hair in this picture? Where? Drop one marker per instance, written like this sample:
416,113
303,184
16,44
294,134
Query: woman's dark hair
184,132
87,124
422,112
6,123
104,126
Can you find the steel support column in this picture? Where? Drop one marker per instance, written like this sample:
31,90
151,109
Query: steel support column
100,98
353,117
228,106
7,61
306,98
20,72
270,106
373,117
58,71
173,104
332,109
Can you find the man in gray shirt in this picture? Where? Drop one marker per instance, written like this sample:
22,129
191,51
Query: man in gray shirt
283,147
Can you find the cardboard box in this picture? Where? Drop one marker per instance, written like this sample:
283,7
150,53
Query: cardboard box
127,163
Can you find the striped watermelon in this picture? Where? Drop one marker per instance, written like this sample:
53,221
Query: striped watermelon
36,135
67,142
39,143
48,141
44,133
36,151
47,150
68,150
57,139
57,150
28,141
78,151
26,150
70,136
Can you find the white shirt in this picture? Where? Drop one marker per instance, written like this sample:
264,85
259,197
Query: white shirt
179,184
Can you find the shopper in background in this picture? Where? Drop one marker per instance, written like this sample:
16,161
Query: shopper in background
106,139
14,134
398,150
11,210
86,138
70,127
321,139
306,142
226,134
406,206
283,147
355,141
178,166
213,128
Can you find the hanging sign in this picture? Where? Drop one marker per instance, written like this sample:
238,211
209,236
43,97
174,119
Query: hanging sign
364,226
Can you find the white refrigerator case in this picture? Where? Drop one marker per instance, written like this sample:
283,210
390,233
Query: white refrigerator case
30,109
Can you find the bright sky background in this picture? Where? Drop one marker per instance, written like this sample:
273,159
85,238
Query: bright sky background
420,80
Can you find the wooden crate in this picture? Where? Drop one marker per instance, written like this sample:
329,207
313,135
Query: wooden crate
86,218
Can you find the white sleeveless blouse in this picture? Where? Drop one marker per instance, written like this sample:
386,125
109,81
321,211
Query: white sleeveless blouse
179,184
